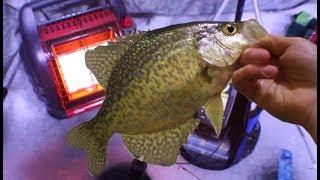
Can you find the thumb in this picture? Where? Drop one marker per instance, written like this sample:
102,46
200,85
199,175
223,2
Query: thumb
277,45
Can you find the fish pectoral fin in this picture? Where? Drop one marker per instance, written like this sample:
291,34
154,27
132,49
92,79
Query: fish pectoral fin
214,111
162,147
91,142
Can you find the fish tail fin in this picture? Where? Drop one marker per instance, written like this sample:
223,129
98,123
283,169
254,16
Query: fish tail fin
93,143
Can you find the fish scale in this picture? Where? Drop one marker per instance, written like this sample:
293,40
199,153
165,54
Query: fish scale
151,96
142,71
155,82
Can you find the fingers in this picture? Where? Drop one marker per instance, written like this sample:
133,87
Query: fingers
277,45
245,78
255,56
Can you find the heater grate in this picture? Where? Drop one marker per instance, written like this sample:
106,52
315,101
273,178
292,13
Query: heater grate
72,25
74,82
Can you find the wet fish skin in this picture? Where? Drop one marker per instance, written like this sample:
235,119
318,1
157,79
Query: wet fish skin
156,81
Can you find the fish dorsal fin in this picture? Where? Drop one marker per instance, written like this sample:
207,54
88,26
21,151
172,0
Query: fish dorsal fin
159,147
214,111
133,37
101,60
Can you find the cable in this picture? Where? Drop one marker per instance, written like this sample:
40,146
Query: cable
44,14
10,6
196,158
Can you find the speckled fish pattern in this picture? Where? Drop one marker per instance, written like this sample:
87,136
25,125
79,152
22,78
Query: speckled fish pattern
155,82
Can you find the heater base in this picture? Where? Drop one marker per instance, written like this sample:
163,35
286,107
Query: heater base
247,145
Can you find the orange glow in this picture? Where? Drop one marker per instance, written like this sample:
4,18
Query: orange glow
69,57
84,43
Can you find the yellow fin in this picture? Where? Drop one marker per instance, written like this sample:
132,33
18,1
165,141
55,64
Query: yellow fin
101,60
162,147
92,142
214,111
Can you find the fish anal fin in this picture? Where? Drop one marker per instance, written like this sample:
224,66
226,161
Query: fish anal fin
85,138
214,111
162,147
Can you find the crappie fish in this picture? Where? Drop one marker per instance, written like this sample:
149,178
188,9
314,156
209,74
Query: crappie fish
155,83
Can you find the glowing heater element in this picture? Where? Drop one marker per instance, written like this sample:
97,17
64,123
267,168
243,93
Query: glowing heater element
75,72
77,87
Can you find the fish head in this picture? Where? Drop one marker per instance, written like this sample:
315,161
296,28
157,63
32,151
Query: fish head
220,44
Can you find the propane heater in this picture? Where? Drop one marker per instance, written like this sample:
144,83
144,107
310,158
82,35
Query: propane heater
54,47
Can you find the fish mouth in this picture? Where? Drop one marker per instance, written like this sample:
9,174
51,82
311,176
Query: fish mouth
253,31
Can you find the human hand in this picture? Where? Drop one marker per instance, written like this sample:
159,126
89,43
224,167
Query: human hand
281,78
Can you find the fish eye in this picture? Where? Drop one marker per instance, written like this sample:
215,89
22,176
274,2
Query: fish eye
229,29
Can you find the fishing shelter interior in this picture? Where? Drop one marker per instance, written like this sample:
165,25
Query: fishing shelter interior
34,138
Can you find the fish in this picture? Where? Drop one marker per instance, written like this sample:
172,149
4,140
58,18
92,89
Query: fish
155,82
